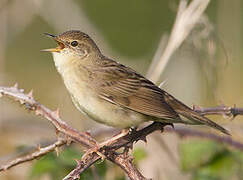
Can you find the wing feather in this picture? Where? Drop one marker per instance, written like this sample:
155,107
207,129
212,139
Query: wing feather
125,87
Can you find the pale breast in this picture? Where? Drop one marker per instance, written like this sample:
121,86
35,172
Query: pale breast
100,110
108,113
86,99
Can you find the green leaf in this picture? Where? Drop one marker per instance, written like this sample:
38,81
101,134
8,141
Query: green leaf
207,160
68,156
44,165
223,166
197,152
139,154
101,168
59,166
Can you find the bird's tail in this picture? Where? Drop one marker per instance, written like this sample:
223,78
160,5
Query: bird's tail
193,116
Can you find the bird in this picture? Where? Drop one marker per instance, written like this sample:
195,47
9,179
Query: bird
112,93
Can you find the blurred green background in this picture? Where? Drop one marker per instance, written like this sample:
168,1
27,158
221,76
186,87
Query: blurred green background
206,70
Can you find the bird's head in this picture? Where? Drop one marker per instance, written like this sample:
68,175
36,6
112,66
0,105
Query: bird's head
73,43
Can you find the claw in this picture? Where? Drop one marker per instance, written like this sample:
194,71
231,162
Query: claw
172,125
143,138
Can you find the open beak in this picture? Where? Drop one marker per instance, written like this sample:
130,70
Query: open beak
60,46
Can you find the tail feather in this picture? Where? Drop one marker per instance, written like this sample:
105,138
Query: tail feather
195,117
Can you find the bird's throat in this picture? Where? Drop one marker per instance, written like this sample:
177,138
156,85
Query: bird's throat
61,61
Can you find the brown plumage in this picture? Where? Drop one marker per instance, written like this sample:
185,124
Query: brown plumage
112,93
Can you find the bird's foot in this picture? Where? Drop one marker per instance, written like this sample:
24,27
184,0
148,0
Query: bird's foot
132,129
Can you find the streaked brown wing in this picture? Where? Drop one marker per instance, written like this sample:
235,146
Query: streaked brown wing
123,86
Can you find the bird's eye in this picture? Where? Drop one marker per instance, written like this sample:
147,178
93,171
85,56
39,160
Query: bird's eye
74,43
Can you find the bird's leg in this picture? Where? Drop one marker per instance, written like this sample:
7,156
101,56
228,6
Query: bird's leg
133,129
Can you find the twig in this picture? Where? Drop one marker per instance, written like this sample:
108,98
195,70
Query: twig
223,110
82,138
110,146
40,152
52,116
82,165
124,162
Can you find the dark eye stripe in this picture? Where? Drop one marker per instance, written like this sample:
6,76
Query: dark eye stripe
74,43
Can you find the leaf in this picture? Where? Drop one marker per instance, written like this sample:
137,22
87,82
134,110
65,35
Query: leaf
223,166
44,165
101,168
195,153
207,160
139,154
68,156
58,167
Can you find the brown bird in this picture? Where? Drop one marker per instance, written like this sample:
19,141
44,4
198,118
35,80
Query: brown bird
111,93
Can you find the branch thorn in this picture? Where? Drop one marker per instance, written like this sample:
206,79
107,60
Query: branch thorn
57,151
57,113
77,161
21,101
15,86
30,94
38,147
69,141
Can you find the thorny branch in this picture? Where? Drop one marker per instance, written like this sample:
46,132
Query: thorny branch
219,110
38,153
108,148
187,17
95,150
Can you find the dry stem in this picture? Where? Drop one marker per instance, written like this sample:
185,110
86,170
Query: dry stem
187,17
